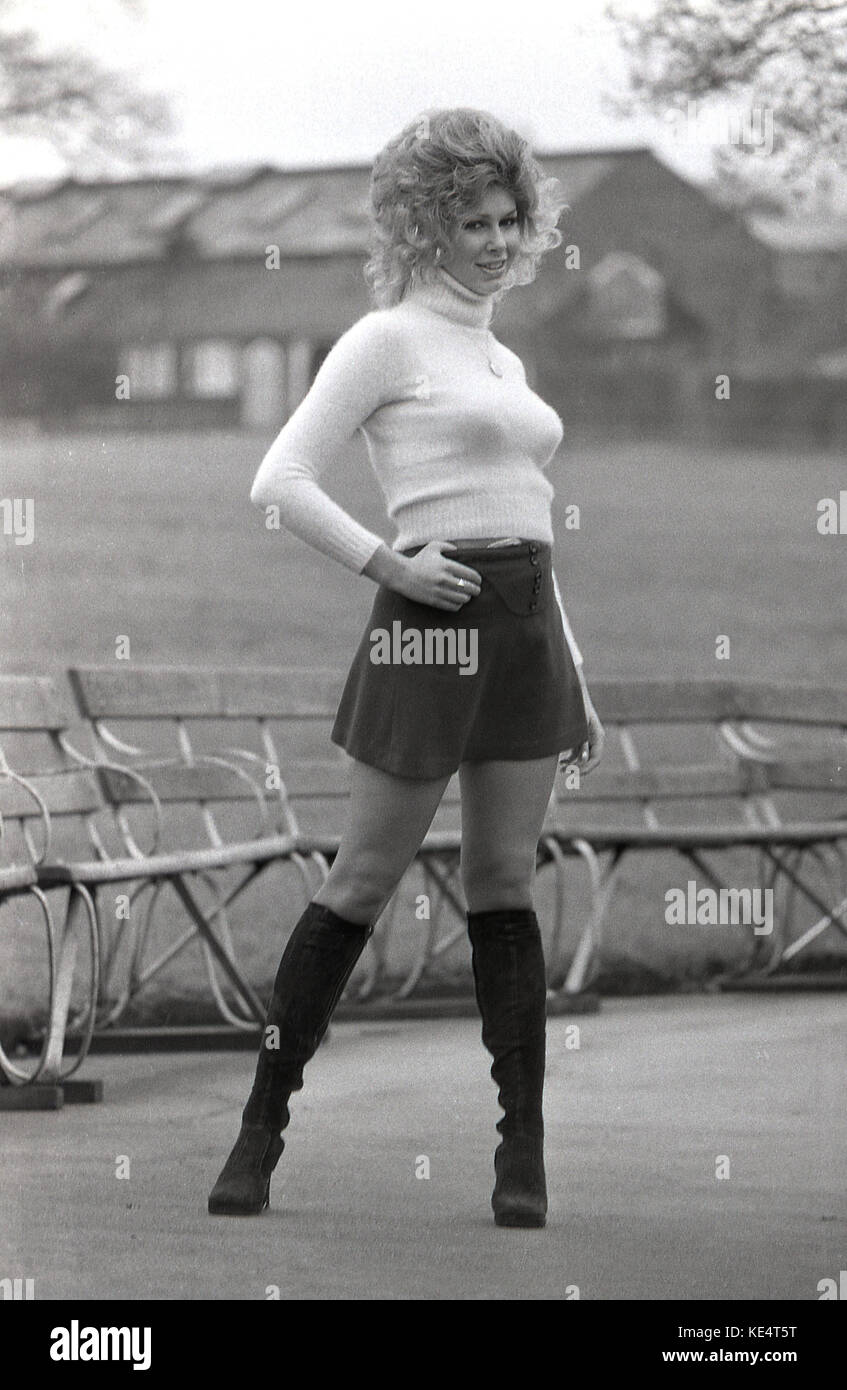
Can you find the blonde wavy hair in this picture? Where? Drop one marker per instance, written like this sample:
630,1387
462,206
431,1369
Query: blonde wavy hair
430,175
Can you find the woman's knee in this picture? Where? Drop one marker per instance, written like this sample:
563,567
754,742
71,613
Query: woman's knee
502,882
361,889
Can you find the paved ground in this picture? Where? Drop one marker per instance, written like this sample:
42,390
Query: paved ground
639,1118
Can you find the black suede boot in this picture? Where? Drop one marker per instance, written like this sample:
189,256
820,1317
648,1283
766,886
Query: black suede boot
511,990
316,964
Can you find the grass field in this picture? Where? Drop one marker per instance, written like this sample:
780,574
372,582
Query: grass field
153,537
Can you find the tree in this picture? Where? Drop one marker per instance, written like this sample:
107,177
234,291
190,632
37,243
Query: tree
96,117
776,68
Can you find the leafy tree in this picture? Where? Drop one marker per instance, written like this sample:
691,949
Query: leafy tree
96,117
779,65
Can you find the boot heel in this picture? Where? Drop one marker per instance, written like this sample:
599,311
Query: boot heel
520,1190
244,1185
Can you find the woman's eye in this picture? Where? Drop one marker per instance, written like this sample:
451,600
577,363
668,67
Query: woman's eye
505,221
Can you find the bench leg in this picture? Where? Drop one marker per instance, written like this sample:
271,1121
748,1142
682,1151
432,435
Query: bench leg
40,1095
603,884
232,972
589,941
33,1096
753,962
428,949
81,909
830,917
46,1086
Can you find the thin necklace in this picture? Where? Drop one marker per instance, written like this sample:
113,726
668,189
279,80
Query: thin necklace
498,371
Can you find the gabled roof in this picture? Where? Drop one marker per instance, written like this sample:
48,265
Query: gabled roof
219,214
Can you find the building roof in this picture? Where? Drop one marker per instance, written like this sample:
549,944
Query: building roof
220,214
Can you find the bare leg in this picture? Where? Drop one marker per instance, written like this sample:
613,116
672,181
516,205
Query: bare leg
387,818
503,809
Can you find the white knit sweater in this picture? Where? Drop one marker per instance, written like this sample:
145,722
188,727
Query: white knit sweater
458,450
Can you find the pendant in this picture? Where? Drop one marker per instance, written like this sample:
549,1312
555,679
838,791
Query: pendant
495,369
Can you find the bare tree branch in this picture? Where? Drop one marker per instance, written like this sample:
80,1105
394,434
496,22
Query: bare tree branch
784,58
96,117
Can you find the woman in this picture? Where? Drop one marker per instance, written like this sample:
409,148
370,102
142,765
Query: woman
467,662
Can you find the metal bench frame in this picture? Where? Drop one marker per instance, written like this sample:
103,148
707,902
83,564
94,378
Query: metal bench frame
753,766
109,780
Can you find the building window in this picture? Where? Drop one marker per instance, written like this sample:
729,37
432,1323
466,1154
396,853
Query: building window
152,370
626,298
212,368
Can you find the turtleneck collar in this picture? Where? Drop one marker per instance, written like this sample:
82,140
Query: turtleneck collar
446,295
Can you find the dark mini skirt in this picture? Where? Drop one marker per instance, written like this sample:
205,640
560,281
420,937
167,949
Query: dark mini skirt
429,689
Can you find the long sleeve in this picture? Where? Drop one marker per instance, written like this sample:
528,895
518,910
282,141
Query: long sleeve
569,637
359,373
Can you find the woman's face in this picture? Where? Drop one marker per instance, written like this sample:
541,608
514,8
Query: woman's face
484,242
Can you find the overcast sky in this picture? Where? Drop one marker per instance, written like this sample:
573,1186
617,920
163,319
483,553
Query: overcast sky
314,82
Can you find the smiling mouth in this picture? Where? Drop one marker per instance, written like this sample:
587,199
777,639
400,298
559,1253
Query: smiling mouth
492,265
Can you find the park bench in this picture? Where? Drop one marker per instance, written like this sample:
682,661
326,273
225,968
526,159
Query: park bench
694,747
42,789
191,727
77,821
699,766
166,762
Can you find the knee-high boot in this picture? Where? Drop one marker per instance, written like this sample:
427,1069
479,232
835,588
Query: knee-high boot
316,964
509,976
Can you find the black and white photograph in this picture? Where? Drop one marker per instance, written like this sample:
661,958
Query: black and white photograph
423,667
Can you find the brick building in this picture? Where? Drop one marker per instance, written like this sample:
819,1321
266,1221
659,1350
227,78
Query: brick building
211,300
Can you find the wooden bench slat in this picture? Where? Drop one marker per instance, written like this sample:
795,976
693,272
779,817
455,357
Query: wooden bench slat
63,793
688,782
652,702
166,865
162,692
33,703
165,692
702,836
813,774
177,783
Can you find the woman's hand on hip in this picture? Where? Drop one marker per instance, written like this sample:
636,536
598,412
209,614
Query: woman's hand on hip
431,577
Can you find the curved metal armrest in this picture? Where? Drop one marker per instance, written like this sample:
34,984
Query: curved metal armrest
151,763
106,765
281,791
6,771
746,741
